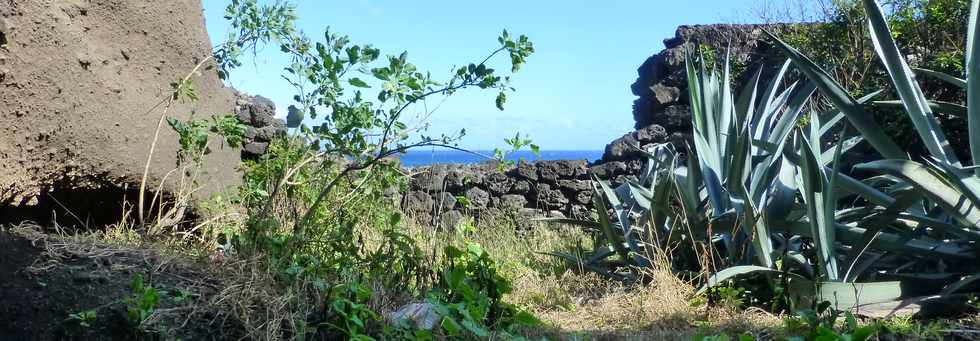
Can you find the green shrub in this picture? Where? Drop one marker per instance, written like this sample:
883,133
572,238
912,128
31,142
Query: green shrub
319,212
470,298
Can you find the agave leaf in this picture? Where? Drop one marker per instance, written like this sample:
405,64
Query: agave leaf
924,221
800,261
735,272
954,81
850,295
639,195
856,270
726,110
908,89
885,242
609,231
847,183
792,114
932,186
960,178
687,191
623,211
877,223
760,237
961,284
973,82
859,118
816,191
771,87
843,146
936,106
783,196
746,100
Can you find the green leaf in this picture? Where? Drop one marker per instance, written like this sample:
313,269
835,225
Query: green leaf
973,82
501,99
818,197
844,296
450,326
358,83
734,272
932,186
294,117
957,82
936,106
860,119
903,80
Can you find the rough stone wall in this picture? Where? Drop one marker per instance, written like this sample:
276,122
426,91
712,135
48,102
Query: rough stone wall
661,86
258,113
560,188
544,188
662,112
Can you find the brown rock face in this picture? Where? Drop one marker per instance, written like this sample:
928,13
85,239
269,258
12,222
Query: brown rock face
78,80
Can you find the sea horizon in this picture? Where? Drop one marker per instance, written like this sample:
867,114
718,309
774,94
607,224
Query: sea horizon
416,158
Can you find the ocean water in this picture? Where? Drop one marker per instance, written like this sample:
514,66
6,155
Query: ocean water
415,158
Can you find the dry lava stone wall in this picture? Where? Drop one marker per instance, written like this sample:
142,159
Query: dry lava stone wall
561,188
258,113
443,194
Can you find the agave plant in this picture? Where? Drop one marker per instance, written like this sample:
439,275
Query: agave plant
933,200
766,200
725,181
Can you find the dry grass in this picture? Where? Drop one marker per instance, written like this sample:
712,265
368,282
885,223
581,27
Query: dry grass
660,310
574,305
582,306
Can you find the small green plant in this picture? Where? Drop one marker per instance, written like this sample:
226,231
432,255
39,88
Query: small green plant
141,304
194,136
351,313
516,144
728,295
463,202
821,324
182,296
84,319
470,298
908,326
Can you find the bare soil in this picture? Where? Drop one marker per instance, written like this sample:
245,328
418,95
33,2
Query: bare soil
44,280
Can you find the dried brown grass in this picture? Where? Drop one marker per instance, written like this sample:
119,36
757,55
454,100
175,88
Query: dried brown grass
576,305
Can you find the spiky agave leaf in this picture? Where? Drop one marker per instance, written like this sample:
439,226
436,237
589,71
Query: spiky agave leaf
860,119
932,184
973,81
903,80
820,207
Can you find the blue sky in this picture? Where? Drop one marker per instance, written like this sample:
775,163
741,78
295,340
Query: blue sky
573,93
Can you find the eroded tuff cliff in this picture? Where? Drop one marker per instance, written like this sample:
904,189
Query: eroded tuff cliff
80,81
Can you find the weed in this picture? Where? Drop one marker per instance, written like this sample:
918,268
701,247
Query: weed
350,313
821,324
183,296
470,297
83,319
141,304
